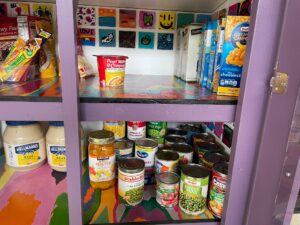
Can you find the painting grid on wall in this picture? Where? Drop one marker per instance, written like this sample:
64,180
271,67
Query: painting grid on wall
127,39
146,40
107,38
165,41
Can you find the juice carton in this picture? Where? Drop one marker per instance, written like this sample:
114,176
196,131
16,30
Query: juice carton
212,53
211,26
221,35
236,33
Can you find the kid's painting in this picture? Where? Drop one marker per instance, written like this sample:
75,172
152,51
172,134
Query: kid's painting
86,16
184,19
203,18
43,10
107,17
107,38
166,20
87,36
19,9
127,18
165,41
146,40
147,19
127,39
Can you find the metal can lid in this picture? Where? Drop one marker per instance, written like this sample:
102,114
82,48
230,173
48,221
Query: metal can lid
176,131
146,143
213,157
167,154
204,136
131,165
221,167
198,128
182,148
123,144
195,171
168,177
175,139
207,146
101,137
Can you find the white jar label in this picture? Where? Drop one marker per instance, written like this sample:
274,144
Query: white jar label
23,155
56,155
102,168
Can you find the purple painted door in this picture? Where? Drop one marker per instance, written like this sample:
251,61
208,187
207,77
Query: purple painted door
275,175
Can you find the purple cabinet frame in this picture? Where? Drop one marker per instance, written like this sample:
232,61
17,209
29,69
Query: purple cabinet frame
249,114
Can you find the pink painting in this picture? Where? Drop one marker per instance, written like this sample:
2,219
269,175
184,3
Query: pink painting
147,19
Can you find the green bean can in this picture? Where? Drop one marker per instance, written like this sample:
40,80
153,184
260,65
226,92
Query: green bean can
193,189
157,130
131,175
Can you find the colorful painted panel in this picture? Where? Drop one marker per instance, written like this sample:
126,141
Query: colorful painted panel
165,41
127,18
107,17
203,18
147,19
87,36
127,39
43,10
86,16
146,40
107,38
166,20
233,10
17,9
184,19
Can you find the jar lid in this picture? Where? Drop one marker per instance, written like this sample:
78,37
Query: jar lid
56,123
20,123
101,137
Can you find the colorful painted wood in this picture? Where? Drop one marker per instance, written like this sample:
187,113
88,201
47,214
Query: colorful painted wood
137,89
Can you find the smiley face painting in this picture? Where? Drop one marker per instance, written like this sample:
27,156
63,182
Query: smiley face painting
166,20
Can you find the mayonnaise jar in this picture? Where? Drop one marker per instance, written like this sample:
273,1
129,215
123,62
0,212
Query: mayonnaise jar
24,145
56,148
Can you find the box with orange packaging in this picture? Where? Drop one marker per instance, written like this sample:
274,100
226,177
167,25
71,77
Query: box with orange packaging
181,178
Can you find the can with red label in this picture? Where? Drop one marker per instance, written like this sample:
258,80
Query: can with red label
136,130
217,188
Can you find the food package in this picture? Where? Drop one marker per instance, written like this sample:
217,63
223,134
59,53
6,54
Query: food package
8,35
18,64
85,69
234,48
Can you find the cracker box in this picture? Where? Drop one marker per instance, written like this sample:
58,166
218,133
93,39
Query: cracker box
234,48
211,26
220,37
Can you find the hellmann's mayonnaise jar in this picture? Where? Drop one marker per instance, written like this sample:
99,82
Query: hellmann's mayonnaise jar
24,145
56,149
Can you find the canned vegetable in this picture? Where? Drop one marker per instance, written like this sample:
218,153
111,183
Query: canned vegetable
205,147
166,161
136,130
193,189
211,158
157,130
167,189
185,152
117,127
174,139
131,181
203,137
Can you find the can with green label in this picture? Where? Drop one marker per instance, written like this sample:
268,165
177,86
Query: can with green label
157,130
193,189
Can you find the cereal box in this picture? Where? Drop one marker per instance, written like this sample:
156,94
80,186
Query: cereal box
236,33
221,34
212,53
211,26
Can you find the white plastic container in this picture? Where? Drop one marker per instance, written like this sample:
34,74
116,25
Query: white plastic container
56,150
24,145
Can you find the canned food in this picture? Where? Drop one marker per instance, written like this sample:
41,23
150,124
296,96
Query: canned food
185,152
117,127
166,161
211,158
203,137
191,130
136,130
145,149
193,189
217,188
131,181
124,149
167,189
157,130
174,139
205,147
176,131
